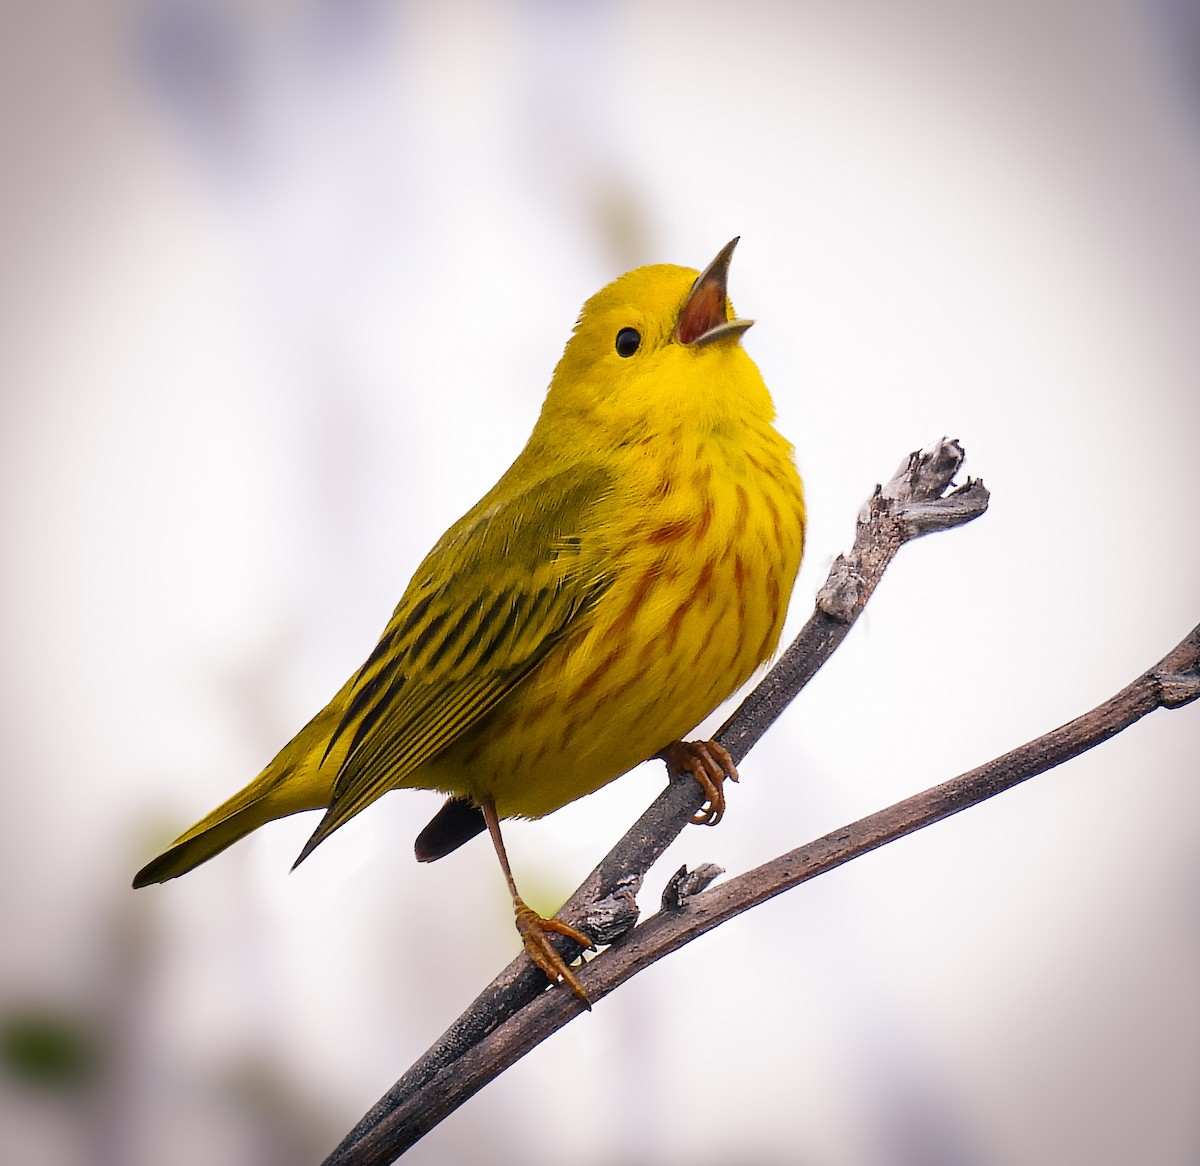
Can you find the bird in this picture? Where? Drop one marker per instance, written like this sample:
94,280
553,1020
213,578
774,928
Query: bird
628,573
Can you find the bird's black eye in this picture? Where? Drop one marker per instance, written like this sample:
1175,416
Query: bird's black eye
628,341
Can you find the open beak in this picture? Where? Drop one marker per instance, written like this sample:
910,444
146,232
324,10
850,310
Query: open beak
702,318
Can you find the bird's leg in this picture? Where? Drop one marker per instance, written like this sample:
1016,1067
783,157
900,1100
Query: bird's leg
534,930
709,763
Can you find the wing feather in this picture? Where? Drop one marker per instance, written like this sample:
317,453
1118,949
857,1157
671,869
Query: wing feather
502,587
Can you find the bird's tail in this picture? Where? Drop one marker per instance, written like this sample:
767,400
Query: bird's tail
222,828
300,778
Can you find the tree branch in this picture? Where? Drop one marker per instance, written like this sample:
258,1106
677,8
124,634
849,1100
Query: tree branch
1173,682
914,502
517,1011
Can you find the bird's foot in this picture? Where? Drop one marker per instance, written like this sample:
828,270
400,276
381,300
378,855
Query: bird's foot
709,763
535,932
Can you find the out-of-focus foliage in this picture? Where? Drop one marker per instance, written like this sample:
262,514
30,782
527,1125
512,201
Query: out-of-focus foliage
49,1050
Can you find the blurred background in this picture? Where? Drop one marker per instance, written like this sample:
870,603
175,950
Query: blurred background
282,284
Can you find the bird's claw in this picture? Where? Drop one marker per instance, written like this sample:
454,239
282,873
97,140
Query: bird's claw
535,931
709,764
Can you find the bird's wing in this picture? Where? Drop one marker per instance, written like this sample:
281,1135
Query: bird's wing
502,587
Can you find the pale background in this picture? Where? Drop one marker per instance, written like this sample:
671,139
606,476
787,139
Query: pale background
281,286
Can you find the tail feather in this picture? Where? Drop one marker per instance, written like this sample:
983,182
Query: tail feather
203,841
296,780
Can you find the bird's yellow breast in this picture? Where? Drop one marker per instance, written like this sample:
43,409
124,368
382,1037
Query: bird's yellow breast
704,538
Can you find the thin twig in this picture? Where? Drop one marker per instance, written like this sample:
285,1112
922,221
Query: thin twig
1173,682
914,502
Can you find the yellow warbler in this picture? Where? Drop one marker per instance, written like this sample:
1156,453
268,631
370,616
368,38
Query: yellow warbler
628,572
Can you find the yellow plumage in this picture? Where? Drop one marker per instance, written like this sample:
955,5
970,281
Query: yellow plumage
629,572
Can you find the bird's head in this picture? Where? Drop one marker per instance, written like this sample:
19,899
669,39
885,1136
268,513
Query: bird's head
658,344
